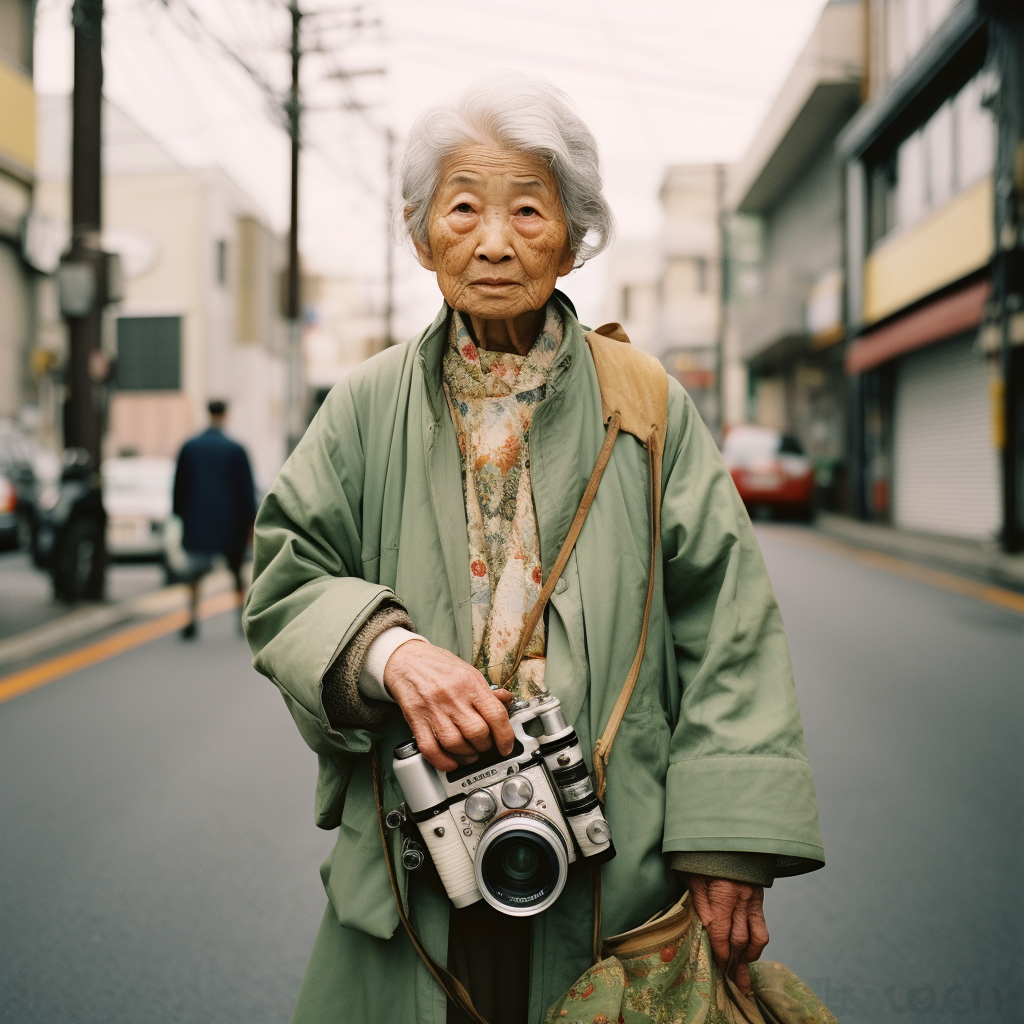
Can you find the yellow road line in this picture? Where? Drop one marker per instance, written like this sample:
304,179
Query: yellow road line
909,570
28,679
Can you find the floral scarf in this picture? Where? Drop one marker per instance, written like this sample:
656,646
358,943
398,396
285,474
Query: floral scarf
492,397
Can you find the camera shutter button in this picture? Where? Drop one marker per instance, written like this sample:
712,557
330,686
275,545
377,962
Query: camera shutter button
480,805
516,791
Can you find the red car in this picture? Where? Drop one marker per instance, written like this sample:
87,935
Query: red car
771,471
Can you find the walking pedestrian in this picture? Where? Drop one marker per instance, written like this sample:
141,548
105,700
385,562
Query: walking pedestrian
213,497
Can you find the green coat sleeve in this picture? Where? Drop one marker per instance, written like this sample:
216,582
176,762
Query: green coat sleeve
308,596
738,776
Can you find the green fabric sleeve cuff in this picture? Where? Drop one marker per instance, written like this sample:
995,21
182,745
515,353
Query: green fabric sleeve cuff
306,640
755,868
744,804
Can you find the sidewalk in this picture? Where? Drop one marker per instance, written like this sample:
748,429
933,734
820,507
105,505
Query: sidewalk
976,559
26,593
90,620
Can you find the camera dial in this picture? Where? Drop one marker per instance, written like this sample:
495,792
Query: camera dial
481,805
516,791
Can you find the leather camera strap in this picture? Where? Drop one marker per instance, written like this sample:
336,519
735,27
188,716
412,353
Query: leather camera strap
603,747
531,620
452,987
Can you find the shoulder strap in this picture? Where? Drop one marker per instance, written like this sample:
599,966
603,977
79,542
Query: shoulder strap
634,398
633,383
634,394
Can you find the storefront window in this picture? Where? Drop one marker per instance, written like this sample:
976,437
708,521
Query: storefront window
952,150
909,25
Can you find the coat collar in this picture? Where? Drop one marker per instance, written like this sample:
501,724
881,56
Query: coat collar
563,370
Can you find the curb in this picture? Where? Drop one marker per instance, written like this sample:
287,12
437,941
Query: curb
970,558
83,623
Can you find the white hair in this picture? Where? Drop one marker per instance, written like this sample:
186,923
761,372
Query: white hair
523,114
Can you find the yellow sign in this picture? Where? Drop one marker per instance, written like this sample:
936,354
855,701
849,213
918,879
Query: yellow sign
946,246
17,119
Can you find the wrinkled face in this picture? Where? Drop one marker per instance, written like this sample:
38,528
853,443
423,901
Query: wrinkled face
498,237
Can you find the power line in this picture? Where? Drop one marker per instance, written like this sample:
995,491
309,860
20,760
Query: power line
289,108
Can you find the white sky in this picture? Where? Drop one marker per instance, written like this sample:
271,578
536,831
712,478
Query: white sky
659,82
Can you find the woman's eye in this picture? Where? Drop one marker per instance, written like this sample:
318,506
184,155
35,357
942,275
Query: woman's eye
463,208
527,211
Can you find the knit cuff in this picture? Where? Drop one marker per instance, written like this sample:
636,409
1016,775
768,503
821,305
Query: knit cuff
343,704
378,654
753,868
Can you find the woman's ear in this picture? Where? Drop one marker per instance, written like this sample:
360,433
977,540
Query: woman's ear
568,262
423,254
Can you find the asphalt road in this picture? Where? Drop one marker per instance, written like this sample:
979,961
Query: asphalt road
158,860
913,707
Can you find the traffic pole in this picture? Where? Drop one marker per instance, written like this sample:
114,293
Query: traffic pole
85,371
293,303
86,282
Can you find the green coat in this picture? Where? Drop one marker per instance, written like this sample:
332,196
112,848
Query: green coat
710,755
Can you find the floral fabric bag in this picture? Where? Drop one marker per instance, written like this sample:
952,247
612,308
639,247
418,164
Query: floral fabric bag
664,973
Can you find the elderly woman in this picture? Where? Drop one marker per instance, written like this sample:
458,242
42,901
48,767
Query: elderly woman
409,534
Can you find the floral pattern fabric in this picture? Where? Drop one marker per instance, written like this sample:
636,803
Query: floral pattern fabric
680,983
492,397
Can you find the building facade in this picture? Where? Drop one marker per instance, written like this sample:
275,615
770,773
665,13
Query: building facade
690,322
667,291
17,178
789,326
934,176
200,317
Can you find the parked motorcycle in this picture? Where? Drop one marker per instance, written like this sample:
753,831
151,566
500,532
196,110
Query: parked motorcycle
70,536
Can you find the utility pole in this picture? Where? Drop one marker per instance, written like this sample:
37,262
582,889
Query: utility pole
389,239
87,280
83,273
1006,54
723,292
293,310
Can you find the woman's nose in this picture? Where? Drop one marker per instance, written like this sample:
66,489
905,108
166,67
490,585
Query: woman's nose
495,245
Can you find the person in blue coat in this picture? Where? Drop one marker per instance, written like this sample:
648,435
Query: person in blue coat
215,500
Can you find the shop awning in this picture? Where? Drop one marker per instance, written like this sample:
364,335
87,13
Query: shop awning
942,318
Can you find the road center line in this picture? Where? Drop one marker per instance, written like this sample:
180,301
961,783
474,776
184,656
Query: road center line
27,679
986,592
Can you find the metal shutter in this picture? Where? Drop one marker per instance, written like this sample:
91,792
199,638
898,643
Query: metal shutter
946,476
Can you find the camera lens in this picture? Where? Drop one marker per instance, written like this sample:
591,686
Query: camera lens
521,864
519,868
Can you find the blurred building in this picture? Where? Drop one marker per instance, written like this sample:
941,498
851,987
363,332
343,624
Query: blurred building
633,292
343,326
200,317
788,323
17,177
667,292
934,191
690,320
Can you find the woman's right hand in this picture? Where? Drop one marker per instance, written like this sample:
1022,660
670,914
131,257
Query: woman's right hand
448,704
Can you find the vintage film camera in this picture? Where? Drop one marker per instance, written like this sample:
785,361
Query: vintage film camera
506,829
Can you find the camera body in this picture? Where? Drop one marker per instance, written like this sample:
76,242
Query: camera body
506,829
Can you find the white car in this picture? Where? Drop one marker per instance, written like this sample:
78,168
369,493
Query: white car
137,495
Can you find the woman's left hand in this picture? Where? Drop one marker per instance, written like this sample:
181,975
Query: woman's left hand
733,913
